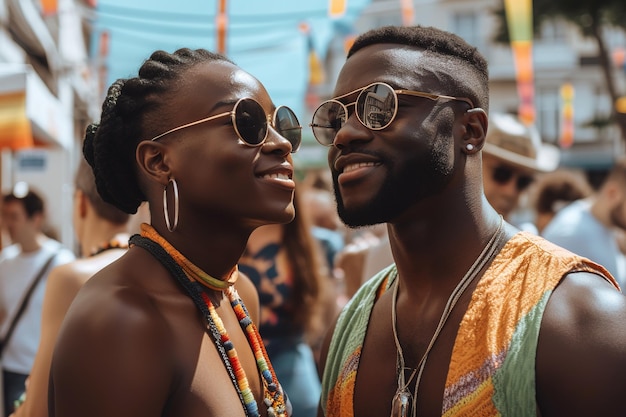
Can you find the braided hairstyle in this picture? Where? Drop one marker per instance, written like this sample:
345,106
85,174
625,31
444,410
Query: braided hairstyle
132,107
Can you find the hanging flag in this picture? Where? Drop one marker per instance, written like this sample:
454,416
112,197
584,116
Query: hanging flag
221,23
567,115
316,69
408,12
104,44
348,41
620,104
619,58
519,21
15,130
49,7
337,8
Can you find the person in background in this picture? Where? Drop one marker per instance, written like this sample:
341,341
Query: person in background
24,265
367,253
590,227
474,317
101,232
512,157
325,224
297,298
552,192
169,328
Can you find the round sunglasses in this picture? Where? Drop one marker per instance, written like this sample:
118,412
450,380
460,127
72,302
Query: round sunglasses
504,174
251,123
376,107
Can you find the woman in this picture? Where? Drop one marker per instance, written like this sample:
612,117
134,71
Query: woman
298,300
167,330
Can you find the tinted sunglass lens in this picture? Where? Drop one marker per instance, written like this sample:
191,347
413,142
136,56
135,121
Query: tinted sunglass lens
376,106
502,175
327,120
523,182
287,124
250,122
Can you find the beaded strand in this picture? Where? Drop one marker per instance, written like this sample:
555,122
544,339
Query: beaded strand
274,398
192,271
195,292
111,244
185,273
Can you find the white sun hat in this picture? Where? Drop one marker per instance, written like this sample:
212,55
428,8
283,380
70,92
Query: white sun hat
518,144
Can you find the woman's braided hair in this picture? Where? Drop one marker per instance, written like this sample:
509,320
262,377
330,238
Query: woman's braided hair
131,105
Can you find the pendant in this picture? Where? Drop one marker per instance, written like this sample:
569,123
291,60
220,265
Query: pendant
401,403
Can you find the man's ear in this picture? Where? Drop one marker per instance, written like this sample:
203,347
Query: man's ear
476,123
154,161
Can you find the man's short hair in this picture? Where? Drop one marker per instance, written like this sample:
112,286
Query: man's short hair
86,182
31,201
469,64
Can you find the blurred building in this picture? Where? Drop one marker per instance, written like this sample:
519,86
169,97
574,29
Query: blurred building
47,93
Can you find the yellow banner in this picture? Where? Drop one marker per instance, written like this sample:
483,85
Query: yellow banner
337,8
15,131
519,17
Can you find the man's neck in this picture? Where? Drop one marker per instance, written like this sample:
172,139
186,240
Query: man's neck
100,234
600,211
32,244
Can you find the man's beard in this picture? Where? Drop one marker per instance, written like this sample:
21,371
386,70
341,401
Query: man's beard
418,178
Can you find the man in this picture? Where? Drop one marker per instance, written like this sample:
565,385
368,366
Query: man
590,227
20,264
513,154
453,327
101,232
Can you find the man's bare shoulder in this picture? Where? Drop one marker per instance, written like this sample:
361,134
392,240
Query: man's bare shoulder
580,356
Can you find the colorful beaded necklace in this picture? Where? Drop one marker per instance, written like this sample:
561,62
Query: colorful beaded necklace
111,244
186,274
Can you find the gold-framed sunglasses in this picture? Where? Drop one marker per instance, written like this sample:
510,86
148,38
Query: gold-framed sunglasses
251,123
376,107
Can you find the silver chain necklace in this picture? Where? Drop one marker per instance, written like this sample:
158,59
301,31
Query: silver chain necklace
403,401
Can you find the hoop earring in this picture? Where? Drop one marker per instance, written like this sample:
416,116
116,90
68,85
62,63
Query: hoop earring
165,209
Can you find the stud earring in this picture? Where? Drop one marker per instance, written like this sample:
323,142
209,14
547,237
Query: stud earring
469,147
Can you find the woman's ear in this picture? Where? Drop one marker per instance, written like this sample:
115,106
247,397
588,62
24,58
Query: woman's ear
153,161
476,123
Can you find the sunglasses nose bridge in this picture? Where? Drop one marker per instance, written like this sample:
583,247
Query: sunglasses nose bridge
353,130
275,140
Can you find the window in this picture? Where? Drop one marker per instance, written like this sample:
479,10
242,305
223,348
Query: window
465,24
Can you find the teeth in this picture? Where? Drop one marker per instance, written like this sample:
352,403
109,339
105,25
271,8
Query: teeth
352,167
278,176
